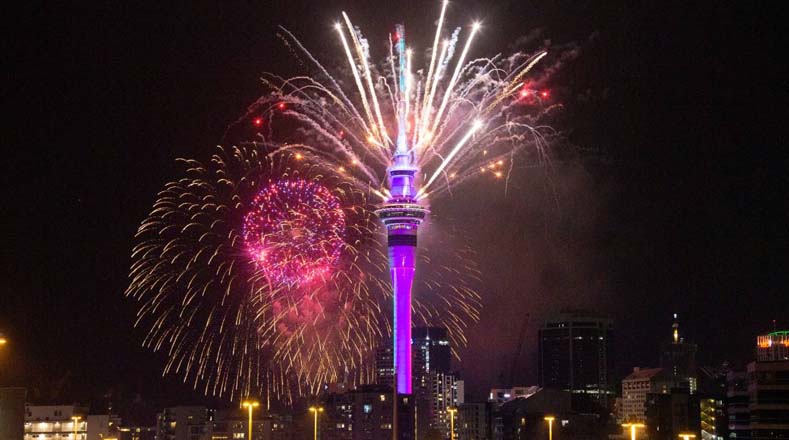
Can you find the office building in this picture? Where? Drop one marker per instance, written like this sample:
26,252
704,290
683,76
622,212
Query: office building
773,347
575,354
672,413
12,413
431,350
475,421
768,400
678,358
184,423
635,388
384,365
737,402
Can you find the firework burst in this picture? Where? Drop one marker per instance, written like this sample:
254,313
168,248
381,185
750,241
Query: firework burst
264,268
261,273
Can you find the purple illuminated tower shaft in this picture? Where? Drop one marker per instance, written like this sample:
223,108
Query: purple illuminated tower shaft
401,215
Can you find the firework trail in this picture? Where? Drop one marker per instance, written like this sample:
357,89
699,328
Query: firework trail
263,270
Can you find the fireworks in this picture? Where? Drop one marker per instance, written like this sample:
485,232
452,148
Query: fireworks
265,267
310,311
294,231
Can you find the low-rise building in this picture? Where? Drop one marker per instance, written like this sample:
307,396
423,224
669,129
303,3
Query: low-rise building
68,422
184,423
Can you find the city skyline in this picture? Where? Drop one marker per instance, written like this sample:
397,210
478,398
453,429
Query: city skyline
636,233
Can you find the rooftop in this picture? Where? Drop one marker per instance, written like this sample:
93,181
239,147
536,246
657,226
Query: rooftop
643,373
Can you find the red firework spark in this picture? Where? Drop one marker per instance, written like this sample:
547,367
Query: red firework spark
294,231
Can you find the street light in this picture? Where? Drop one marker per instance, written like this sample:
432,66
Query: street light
452,412
687,435
75,419
633,427
315,410
3,340
550,420
249,404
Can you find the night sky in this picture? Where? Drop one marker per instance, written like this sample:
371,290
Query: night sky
668,194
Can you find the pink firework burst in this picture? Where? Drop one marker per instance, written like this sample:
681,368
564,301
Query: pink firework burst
294,231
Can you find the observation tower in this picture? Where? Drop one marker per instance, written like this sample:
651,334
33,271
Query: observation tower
402,214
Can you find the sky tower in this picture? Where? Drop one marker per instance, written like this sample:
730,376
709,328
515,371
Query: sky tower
402,214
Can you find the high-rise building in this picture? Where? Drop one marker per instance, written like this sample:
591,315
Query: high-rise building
475,421
679,359
384,365
714,425
575,354
431,350
738,414
12,413
60,422
184,423
773,346
670,414
636,387
712,395
446,392
768,400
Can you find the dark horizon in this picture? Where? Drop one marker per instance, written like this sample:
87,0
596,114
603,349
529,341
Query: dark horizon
668,196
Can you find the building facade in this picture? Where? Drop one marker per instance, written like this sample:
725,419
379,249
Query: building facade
233,425
384,365
678,358
575,354
12,413
635,388
476,421
446,392
773,347
61,422
768,400
371,412
670,414
737,406
714,424
184,423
